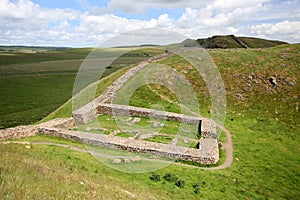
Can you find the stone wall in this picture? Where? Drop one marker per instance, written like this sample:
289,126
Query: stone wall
209,153
110,92
18,132
84,115
88,112
31,130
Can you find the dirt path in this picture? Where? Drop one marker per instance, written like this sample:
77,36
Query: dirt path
227,147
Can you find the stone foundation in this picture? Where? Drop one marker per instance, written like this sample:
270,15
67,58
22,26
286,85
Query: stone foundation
209,153
84,114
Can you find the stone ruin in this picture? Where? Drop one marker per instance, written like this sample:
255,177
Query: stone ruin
206,153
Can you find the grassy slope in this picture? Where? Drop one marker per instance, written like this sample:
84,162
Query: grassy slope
229,42
259,43
21,58
27,99
35,84
264,127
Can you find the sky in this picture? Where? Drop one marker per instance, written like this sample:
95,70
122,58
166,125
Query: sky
89,23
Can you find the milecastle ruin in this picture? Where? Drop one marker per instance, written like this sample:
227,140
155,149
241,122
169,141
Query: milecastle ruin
207,151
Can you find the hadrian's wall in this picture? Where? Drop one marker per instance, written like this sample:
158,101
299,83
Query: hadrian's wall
110,92
209,153
31,130
18,132
90,111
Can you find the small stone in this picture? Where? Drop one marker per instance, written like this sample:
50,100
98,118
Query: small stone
183,72
290,81
136,131
129,119
283,56
157,124
117,161
136,159
126,160
282,65
27,147
186,141
273,81
239,96
136,120
81,183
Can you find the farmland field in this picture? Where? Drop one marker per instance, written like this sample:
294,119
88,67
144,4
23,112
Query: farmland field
35,84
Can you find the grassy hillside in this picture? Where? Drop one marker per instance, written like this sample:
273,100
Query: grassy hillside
263,120
34,84
231,41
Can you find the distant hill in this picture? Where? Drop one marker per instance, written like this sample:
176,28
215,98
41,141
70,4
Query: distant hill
214,42
29,49
231,41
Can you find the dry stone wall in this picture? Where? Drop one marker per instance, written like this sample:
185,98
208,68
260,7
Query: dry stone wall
110,92
31,130
88,112
209,153
18,132
208,128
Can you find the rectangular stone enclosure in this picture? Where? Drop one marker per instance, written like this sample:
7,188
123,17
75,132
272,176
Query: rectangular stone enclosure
90,111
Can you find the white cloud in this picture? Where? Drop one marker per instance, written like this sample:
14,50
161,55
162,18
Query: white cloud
223,6
137,6
26,10
282,30
23,22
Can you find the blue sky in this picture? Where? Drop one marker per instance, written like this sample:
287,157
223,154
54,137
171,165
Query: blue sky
82,23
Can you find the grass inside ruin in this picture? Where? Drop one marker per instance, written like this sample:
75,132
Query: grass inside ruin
153,130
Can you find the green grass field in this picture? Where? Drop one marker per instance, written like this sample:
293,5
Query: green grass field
263,121
35,84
